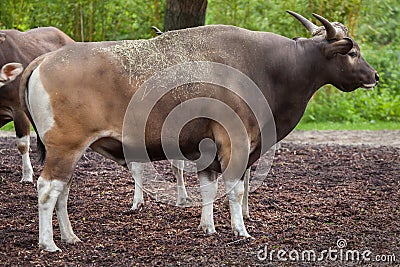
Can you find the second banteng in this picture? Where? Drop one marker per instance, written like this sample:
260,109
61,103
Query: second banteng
77,97
23,47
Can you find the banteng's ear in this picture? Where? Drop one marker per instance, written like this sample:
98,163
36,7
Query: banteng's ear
2,37
10,71
342,46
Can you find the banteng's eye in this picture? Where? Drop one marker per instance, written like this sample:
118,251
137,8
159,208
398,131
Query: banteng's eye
353,54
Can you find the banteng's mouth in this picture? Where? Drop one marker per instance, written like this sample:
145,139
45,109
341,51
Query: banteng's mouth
369,86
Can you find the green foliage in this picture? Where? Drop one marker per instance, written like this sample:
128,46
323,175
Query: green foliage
374,24
271,16
359,106
380,104
377,125
85,20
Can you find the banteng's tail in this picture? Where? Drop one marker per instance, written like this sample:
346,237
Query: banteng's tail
23,94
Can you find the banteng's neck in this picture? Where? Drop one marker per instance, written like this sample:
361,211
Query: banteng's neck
295,71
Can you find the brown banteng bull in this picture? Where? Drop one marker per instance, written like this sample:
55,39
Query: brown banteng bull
78,97
23,47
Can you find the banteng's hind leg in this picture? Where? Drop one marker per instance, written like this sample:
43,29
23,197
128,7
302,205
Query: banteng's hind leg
53,189
137,173
177,168
67,234
48,193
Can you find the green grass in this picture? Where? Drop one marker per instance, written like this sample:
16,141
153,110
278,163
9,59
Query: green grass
8,127
377,125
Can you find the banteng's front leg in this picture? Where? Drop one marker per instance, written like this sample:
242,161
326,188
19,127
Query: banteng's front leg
22,130
245,202
208,190
235,191
137,174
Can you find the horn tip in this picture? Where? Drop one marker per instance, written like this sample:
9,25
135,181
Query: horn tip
316,15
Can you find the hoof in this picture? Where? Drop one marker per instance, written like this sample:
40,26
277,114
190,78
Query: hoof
27,174
71,240
241,232
207,229
27,179
246,216
183,202
49,248
137,205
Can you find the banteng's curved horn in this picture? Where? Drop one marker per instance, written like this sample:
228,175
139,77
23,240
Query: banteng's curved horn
330,30
311,27
157,30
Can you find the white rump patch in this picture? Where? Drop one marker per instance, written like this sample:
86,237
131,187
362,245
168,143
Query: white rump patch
39,104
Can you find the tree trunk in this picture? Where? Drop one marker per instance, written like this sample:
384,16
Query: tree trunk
180,14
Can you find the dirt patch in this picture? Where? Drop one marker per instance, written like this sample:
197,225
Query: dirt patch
349,138
313,196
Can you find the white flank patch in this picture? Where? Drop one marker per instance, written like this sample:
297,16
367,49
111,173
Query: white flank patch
39,104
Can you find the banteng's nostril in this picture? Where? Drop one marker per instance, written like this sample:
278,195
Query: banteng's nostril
376,77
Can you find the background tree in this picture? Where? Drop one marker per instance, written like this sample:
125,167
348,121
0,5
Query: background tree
180,14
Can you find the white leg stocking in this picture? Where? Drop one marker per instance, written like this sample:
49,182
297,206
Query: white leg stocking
27,170
137,173
48,193
208,189
235,190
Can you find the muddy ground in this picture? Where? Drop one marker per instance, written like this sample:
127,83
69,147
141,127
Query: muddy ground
316,197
